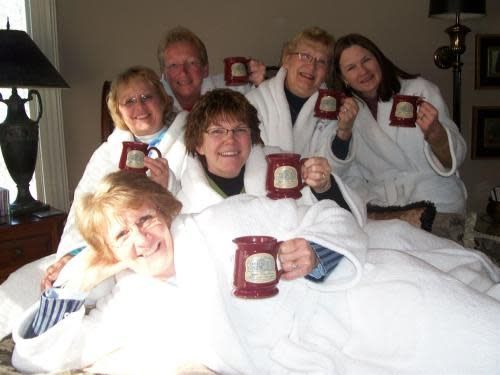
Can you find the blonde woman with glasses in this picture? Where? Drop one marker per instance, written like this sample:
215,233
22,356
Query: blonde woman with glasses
286,102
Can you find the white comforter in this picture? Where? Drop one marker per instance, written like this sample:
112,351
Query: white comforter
382,311
406,303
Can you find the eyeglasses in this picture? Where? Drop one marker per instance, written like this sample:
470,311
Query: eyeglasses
189,65
307,58
133,100
143,225
220,132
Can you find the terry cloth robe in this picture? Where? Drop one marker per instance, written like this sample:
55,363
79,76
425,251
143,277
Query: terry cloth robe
196,193
381,311
137,328
309,136
392,165
106,159
209,83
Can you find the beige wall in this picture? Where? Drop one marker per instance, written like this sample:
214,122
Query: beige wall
100,38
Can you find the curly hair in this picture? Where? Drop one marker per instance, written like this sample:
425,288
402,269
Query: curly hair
219,104
116,193
125,78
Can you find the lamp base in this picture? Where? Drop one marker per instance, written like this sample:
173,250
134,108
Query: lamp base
25,208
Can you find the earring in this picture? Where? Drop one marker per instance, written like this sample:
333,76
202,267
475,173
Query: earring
346,84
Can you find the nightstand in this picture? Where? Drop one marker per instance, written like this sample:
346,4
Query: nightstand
27,238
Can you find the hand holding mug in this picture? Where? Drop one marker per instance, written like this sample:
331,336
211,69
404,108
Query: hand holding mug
427,119
347,115
256,72
297,258
316,174
159,171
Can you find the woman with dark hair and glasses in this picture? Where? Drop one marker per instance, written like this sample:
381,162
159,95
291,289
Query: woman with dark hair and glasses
286,102
394,165
226,158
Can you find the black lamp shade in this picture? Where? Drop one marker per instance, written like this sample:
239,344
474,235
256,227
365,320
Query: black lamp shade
448,9
22,64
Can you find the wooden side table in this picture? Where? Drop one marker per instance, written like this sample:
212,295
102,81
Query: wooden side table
27,238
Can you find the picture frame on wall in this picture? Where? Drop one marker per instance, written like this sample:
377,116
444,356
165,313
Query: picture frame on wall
487,61
485,133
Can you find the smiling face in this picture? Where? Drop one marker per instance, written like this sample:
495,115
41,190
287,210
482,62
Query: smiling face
304,78
184,72
140,107
226,154
361,70
141,235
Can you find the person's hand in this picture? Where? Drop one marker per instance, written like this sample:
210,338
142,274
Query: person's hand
428,121
316,174
89,271
53,271
159,170
434,132
256,72
297,258
347,114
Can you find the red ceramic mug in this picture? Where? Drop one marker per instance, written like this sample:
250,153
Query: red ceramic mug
256,273
236,70
132,157
404,110
328,104
284,177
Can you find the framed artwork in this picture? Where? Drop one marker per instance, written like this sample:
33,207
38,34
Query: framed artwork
485,133
487,61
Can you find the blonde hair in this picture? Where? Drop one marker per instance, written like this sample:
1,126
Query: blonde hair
136,72
181,34
116,193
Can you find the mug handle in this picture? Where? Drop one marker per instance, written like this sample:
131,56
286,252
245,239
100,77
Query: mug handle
302,184
280,270
158,153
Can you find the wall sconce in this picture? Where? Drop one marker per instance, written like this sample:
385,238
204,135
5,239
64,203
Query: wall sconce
449,56
22,64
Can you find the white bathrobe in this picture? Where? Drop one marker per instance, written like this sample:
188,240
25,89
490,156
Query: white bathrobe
105,160
380,312
389,165
211,82
196,193
137,328
309,136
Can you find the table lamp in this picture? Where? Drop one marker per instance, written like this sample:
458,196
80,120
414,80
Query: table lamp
22,64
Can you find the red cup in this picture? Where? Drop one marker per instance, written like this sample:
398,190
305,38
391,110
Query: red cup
236,70
132,157
256,273
404,110
328,104
284,177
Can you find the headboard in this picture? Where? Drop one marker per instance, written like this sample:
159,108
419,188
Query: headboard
106,121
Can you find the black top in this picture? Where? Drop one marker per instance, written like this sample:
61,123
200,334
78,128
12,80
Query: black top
295,103
229,186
